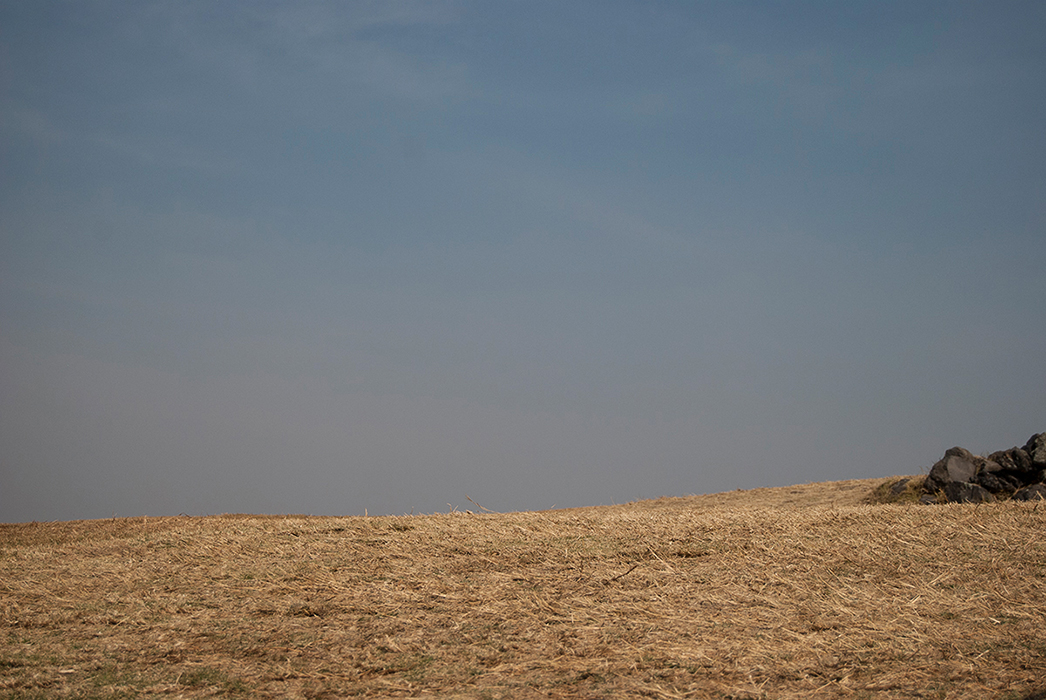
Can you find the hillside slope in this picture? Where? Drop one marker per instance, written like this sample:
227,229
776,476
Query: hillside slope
798,592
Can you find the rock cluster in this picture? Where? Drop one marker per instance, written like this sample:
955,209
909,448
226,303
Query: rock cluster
961,477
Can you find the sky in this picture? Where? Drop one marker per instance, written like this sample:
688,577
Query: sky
338,258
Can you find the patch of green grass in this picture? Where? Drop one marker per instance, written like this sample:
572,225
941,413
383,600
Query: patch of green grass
202,677
416,667
209,677
112,675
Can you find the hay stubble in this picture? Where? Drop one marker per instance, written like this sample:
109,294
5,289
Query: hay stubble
779,593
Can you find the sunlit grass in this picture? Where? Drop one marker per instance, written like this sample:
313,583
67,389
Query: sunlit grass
807,591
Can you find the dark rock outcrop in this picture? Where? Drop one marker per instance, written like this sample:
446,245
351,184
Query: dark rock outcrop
965,492
1013,460
1035,492
962,477
996,482
1036,449
957,466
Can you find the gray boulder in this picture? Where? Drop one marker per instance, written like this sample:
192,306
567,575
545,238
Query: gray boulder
963,477
1036,449
962,492
997,482
898,488
1035,492
957,466
1014,460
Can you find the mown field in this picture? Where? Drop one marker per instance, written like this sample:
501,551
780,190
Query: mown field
800,592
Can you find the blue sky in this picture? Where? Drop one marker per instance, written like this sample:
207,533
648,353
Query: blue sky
327,257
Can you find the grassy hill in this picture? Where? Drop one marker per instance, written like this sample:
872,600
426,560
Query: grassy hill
799,592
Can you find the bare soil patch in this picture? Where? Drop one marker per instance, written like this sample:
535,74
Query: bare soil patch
801,592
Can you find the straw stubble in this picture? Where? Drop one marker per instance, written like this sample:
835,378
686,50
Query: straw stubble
780,593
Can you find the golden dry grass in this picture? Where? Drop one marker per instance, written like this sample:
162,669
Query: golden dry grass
800,592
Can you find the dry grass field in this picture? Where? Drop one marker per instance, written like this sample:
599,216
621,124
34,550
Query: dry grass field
801,592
